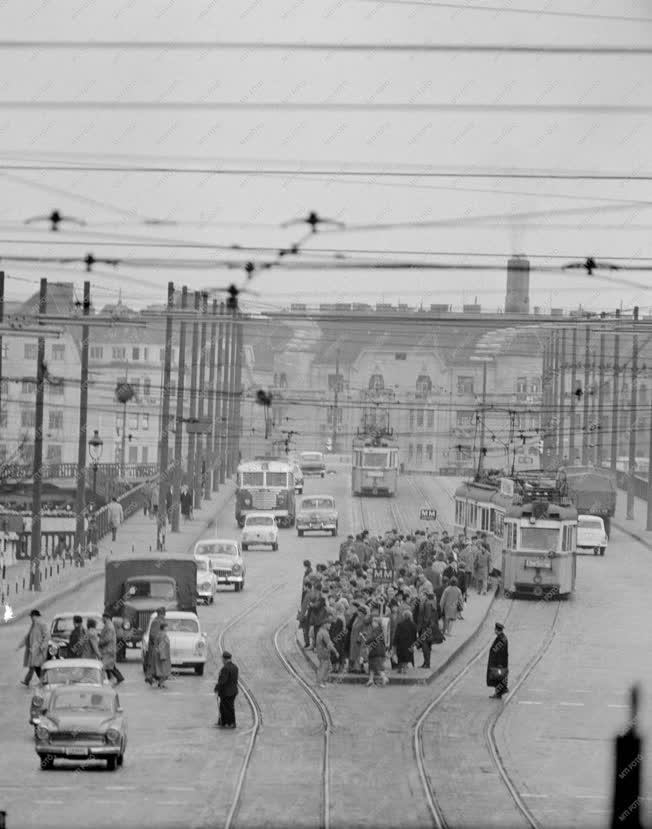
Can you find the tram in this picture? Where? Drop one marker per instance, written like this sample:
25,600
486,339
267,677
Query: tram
266,484
531,527
374,462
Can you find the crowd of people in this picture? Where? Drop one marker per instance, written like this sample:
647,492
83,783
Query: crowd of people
387,598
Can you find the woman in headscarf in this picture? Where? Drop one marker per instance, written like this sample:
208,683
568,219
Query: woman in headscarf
162,664
340,636
451,602
404,638
356,625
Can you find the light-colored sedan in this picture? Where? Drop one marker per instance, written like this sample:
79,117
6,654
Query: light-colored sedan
58,672
224,558
317,513
187,641
260,528
206,581
62,626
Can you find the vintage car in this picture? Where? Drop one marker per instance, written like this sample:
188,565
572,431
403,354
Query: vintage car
61,628
317,513
591,534
82,722
312,463
260,528
187,642
224,558
206,582
58,672
298,478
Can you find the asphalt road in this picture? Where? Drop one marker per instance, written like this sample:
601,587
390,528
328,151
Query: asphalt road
553,734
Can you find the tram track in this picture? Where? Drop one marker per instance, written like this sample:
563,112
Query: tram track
433,799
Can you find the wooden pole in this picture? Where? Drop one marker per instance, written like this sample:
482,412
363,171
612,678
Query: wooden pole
164,476
80,496
35,569
178,423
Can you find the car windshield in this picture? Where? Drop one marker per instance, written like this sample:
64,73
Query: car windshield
150,590
590,524
182,625
374,460
318,503
277,479
63,625
539,538
64,675
82,701
259,521
216,549
311,456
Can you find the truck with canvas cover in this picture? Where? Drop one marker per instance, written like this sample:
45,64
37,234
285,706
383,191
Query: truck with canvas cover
592,491
134,588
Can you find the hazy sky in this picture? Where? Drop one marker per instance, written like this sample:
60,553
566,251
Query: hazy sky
572,219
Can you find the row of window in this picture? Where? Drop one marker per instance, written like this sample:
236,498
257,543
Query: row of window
30,351
134,421
29,387
54,454
120,352
419,452
418,415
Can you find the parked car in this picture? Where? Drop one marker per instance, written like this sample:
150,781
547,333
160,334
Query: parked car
61,628
312,463
260,528
82,722
56,673
298,478
187,641
206,582
224,557
591,534
317,513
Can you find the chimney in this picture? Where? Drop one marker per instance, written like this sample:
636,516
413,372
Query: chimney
517,299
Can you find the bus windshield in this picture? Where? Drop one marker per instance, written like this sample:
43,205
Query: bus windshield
252,479
539,538
374,460
277,479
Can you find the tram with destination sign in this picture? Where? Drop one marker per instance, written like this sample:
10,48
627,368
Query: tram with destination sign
374,461
531,527
266,485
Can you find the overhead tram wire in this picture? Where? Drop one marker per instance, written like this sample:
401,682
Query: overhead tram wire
299,46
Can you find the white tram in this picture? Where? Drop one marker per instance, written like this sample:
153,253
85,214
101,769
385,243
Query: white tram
374,464
531,528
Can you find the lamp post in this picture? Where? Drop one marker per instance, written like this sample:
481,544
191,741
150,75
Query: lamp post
95,445
124,393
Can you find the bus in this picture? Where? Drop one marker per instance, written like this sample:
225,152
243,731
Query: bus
531,527
266,485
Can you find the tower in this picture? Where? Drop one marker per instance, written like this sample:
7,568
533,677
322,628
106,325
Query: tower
517,299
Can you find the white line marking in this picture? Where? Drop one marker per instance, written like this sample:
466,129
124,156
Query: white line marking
180,788
172,802
590,796
618,706
120,788
48,802
581,691
527,794
529,702
571,703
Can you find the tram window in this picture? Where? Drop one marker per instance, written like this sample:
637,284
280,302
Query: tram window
375,460
473,515
252,479
511,536
498,523
567,539
459,513
485,520
539,538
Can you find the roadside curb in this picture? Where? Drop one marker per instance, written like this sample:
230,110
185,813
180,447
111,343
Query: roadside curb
647,542
360,679
84,581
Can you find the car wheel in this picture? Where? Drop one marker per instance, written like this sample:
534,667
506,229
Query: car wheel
121,653
602,550
507,594
274,547
323,474
121,759
212,600
47,761
334,532
144,667
245,547
242,585
237,587
199,669
111,763
300,533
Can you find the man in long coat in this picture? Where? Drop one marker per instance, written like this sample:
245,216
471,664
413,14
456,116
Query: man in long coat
404,639
498,663
108,648
150,657
36,647
227,690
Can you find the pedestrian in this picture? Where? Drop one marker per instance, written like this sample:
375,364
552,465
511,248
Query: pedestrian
162,663
482,568
74,649
377,652
451,603
227,690
307,573
36,647
427,614
185,498
324,648
108,648
150,656
304,613
404,638
339,635
356,625
317,611
498,663
90,644
116,516
154,501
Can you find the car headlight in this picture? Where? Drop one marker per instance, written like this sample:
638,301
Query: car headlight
236,568
42,733
53,650
113,735
37,702
126,625
200,647
205,586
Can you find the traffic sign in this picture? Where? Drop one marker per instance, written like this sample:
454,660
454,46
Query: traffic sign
428,514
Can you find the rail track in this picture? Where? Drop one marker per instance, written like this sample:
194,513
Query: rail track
435,807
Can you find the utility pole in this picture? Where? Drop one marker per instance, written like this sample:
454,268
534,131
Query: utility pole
615,402
482,421
80,499
648,526
237,393
600,429
547,401
200,460
335,402
632,422
178,423
164,461
210,440
573,399
562,397
35,569
555,398
193,399
2,319
219,394
225,441
587,380
230,418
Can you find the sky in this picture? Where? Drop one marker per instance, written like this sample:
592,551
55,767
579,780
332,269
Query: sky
458,219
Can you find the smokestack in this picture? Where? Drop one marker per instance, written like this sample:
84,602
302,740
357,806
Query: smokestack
517,299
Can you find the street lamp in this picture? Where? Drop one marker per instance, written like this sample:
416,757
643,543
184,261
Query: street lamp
124,393
95,445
